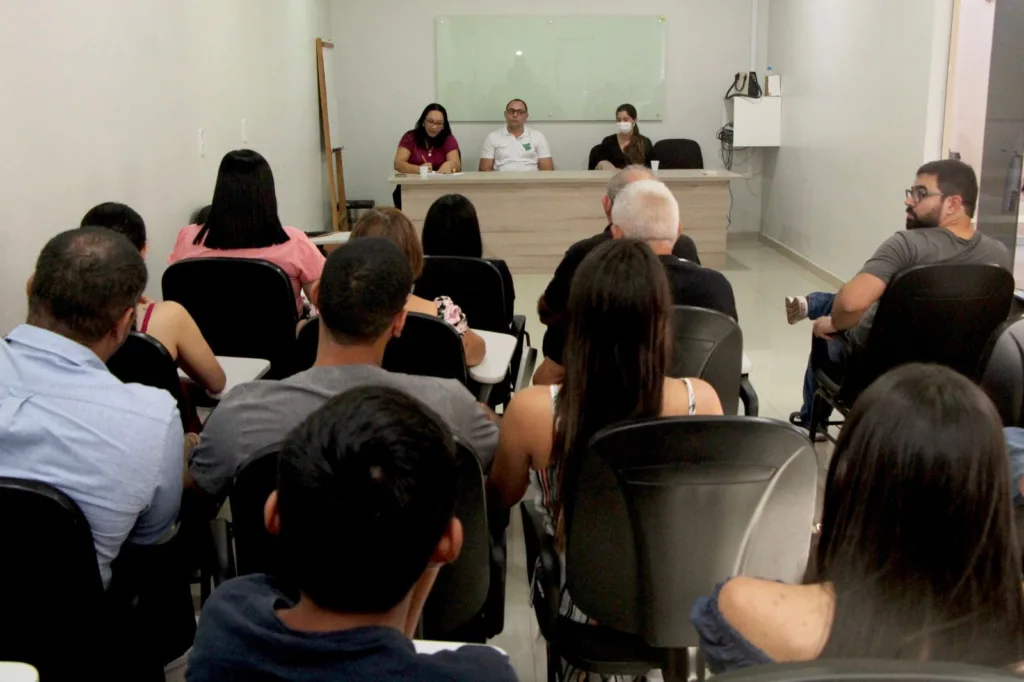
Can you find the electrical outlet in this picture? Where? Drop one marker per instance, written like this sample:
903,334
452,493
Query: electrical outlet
245,130
201,138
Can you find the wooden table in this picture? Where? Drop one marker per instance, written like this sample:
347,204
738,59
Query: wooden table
530,218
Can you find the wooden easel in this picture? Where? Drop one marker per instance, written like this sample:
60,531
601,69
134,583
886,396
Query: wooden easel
332,155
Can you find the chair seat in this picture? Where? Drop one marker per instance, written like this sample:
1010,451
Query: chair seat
605,651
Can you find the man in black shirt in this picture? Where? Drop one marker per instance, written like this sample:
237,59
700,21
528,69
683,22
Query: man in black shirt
650,215
364,513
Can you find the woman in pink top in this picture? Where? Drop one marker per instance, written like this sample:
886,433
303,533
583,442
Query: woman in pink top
430,143
243,223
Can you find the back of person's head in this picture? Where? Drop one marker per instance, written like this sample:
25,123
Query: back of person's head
243,214
623,178
647,210
200,215
618,344
366,490
954,178
918,539
84,282
391,224
119,218
363,287
451,228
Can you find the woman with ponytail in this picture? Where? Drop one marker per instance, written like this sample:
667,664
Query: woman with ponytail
627,147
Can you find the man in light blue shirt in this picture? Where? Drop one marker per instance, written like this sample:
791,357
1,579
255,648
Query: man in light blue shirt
113,448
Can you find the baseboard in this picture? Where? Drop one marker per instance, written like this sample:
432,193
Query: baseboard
802,260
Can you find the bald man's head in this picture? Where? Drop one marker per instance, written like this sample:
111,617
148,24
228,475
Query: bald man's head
620,180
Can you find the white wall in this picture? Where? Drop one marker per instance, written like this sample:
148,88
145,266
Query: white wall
970,80
101,100
863,84
385,66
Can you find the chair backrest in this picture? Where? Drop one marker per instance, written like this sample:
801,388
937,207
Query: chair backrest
427,347
141,359
867,670
244,307
658,511
256,550
1002,372
474,284
54,601
941,313
508,286
594,158
306,344
708,345
678,153
461,588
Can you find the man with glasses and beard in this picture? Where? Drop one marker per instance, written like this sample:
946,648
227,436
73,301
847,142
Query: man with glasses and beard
939,209
516,147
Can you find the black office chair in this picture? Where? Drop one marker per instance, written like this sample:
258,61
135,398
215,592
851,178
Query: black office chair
678,153
942,314
427,347
49,568
1002,372
865,670
656,513
474,284
142,359
595,157
306,344
455,610
244,307
256,550
708,345
482,288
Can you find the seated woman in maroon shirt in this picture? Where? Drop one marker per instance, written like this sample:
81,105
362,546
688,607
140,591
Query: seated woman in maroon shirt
430,143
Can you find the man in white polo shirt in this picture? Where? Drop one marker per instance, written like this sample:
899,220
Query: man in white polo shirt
516,147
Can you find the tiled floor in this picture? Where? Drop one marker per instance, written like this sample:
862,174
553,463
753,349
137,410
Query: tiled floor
761,279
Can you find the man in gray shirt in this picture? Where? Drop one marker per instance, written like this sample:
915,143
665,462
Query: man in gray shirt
361,297
939,230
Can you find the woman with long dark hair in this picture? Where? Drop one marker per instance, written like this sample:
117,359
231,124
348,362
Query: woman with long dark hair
918,556
616,357
627,147
430,143
243,223
452,228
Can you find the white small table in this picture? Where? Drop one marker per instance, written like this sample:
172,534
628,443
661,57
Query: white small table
19,672
237,371
500,348
331,238
430,647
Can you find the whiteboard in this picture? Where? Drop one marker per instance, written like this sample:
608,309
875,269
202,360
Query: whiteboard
566,68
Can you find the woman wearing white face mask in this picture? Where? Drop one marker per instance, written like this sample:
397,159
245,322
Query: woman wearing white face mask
627,147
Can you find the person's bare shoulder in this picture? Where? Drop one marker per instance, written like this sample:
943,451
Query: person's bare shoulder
787,622
531,415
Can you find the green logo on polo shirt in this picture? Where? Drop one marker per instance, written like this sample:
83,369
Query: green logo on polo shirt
526,146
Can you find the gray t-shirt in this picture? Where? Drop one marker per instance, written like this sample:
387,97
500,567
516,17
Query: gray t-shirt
258,414
925,246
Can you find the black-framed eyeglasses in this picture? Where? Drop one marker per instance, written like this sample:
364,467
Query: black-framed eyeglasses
515,112
919,193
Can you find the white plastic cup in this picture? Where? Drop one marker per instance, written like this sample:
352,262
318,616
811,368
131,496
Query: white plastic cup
654,165
423,172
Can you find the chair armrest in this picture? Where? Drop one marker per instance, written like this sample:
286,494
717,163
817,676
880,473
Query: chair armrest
518,330
749,397
543,569
224,555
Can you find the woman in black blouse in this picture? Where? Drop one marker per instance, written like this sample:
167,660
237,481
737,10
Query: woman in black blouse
627,147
